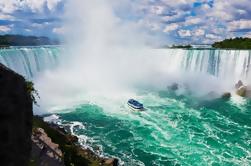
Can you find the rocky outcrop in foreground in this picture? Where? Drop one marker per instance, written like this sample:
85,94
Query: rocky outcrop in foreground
44,151
62,143
15,119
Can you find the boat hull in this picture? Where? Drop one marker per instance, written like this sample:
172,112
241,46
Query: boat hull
135,109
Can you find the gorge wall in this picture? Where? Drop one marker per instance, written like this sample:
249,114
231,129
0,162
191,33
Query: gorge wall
15,119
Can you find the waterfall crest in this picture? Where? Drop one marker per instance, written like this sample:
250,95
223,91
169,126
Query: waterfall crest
30,61
223,64
234,64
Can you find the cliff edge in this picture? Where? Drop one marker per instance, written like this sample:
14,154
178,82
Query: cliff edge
15,119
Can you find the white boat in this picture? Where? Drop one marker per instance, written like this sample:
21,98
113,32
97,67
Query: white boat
135,105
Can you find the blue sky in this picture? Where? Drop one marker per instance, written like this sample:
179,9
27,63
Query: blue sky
179,21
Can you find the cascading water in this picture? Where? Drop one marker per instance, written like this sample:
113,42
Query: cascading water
29,61
175,129
235,64
220,63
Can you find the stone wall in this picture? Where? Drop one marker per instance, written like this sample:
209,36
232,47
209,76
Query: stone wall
15,119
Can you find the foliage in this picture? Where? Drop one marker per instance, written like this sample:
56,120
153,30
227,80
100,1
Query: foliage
236,43
182,46
32,91
19,40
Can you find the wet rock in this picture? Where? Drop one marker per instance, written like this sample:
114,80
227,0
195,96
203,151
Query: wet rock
239,84
44,151
40,136
226,95
72,138
242,91
111,162
173,87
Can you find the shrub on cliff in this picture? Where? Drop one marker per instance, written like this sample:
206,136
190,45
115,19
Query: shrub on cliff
32,91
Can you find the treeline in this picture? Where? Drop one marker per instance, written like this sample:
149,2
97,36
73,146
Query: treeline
181,46
236,43
19,40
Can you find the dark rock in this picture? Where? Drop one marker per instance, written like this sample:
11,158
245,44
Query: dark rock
226,95
15,119
111,162
72,138
238,84
173,87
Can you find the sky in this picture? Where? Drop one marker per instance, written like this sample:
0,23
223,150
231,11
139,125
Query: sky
177,21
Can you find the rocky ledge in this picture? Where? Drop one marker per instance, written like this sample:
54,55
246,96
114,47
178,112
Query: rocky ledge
62,148
15,119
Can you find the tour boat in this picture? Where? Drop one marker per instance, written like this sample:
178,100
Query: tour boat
135,105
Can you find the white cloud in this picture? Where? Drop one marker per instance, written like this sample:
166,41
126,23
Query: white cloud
192,21
171,27
154,26
199,32
247,35
10,6
59,30
39,26
229,10
6,17
184,33
38,5
158,10
28,30
52,4
212,36
239,25
4,28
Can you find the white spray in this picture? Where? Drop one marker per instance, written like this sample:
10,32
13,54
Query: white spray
106,59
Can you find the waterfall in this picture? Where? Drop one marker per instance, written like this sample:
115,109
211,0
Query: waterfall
234,64
224,64
30,61
220,63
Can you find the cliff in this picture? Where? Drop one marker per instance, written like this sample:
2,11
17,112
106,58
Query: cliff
72,152
15,119
27,140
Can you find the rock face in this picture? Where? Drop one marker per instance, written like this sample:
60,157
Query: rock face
15,119
238,84
241,91
44,151
226,95
173,87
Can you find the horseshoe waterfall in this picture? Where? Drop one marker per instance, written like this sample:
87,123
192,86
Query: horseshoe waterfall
185,121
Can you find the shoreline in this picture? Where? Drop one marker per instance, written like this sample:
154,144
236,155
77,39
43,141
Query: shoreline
73,152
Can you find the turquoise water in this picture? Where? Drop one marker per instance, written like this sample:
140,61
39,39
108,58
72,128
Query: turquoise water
174,130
